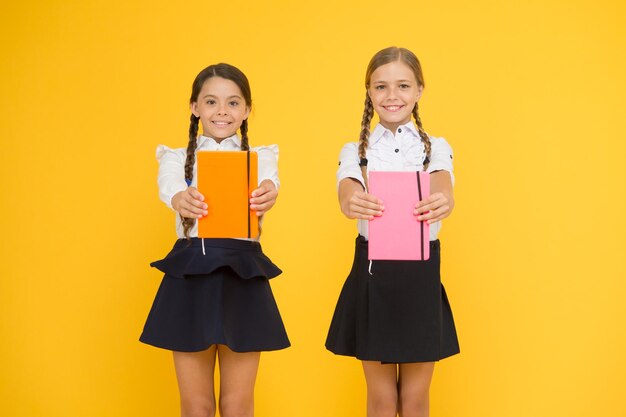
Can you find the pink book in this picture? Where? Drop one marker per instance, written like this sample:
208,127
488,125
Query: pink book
397,234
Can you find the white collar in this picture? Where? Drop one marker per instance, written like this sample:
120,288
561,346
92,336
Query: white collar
380,130
235,138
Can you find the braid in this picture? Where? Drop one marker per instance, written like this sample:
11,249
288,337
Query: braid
423,135
368,112
189,163
246,147
244,135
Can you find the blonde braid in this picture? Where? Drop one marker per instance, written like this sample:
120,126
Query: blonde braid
368,113
423,136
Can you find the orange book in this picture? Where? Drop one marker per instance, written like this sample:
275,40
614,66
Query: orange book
226,179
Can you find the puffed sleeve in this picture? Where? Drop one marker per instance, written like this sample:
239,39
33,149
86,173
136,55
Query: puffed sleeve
349,164
268,163
171,177
440,156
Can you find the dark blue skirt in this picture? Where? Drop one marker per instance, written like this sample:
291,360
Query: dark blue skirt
397,314
220,297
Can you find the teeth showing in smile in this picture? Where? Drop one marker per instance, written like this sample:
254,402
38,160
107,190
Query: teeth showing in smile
393,108
221,123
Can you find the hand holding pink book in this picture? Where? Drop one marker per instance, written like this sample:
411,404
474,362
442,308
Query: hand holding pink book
397,234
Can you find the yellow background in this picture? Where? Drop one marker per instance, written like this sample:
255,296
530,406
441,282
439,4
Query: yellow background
529,94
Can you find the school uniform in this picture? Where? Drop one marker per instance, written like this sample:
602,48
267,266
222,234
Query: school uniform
214,291
394,311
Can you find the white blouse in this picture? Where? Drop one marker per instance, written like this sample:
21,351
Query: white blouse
171,177
403,151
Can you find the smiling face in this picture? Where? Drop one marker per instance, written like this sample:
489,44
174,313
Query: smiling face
221,108
394,90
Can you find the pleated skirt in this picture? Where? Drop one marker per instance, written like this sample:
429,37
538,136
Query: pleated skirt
393,311
222,296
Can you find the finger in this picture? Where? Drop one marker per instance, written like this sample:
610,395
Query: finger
424,202
193,192
190,214
195,202
368,197
435,215
433,198
261,207
364,211
359,208
438,218
429,215
353,215
423,206
367,204
260,199
260,190
425,209
193,214
193,209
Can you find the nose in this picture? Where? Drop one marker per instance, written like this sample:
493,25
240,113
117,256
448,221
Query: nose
392,93
222,110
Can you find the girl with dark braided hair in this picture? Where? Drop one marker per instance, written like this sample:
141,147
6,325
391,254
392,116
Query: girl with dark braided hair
394,315
215,301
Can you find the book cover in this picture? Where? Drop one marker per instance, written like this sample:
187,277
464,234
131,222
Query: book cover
397,234
227,179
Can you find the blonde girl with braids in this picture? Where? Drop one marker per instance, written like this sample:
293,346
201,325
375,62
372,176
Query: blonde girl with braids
394,315
215,302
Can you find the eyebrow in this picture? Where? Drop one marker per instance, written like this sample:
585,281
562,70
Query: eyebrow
399,81
227,98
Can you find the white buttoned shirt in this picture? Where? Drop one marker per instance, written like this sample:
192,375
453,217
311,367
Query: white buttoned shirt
171,177
401,150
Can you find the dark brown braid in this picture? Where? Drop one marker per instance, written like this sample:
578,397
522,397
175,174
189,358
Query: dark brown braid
244,135
246,147
423,135
189,163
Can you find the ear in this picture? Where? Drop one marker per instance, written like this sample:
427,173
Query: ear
247,112
420,90
194,109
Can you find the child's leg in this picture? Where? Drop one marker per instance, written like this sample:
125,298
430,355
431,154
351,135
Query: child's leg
414,384
382,389
194,371
237,376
